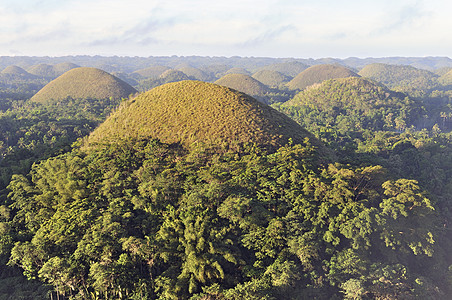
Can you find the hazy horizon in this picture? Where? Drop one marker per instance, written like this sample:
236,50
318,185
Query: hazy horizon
270,28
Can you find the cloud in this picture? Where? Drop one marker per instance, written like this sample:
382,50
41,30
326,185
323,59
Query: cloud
268,36
408,16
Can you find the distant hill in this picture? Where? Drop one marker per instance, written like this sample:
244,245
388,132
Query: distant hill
51,71
152,72
245,84
61,68
271,78
317,74
15,70
196,111
84,83
42,70
237,70
292,68
216,70
400,77
350,104
195,73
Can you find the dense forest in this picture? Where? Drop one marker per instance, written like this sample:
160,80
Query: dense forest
225,178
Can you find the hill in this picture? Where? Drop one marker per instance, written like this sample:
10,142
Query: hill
291,68
271,78
173,76
16,71
61,68
152,72
84,83
400,77
196,111
352,104
195,73
237,70
244,83
317,74
42,70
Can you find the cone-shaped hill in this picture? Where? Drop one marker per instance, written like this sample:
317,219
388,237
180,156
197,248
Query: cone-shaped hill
237,70
244,83
290,68
318,74
196,111
16,71
61,68
195,73
351,103
271,78
84,83
351,92
152,72
399,75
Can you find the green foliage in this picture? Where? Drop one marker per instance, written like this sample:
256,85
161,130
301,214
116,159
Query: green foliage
139,217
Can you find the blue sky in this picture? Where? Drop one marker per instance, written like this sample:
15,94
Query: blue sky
319,28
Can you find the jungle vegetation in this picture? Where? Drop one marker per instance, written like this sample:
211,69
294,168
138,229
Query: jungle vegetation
192,190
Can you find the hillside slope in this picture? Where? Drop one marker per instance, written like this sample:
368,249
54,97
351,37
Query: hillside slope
195,111
84,83
317,74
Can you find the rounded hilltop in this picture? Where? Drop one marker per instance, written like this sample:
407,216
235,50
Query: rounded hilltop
318,74
84,83
399,75
244,83
351,93
194,111
15,71
271,78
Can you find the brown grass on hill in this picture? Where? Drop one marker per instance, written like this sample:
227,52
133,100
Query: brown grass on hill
195,73
243,83
152,72
271,78
317,74
84,83
196,111
15,70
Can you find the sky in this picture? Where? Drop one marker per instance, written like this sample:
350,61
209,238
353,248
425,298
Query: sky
264,28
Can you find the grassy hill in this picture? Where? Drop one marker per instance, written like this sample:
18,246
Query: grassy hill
244,83
400,77
61,68
84,83
42,70
152,72
292,68
195,111
237,70
15,71
271,78
195,73
351,104
317,74
51,71
173,76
